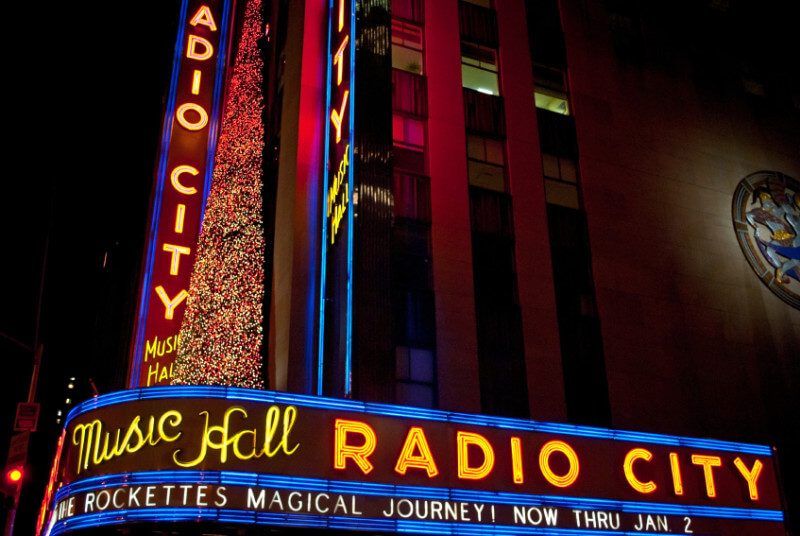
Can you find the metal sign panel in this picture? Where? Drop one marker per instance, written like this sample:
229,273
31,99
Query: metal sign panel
182,183
336,271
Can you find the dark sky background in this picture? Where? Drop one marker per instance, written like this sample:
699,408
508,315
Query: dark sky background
84,88
84,84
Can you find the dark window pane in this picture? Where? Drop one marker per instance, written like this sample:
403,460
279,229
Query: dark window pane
490,212
409,9
477,23
483,114
412,197
409,93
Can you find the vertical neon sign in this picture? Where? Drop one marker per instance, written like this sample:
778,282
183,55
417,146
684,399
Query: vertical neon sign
336,273
182,184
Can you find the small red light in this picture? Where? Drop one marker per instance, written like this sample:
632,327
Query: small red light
15,475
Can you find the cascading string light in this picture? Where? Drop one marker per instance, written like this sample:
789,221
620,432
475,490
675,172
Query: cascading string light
221,333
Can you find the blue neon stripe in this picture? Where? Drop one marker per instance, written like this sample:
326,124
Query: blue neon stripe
324,243
388,490
270,397
303,520
162,164
348,360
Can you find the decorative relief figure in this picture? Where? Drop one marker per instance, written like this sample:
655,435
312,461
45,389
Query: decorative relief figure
766,217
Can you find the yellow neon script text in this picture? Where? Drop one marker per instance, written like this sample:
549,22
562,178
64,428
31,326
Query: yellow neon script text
155,348
95,445
243,443
339,198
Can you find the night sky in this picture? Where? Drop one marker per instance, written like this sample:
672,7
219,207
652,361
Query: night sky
84,86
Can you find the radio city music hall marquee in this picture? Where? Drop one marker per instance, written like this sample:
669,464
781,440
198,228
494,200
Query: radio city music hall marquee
257,457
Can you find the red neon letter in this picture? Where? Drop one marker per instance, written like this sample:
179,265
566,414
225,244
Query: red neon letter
677,482
185,123
342,451
176,173
708,462
465,439
337,60
516,460
544,463
751,475
170,305
336,117
627,467
415,440
204,17
177,251
191,48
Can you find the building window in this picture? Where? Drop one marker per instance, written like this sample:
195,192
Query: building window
477,21
416,376
551,100
408,135
414,317
551,89
483,114
408,132
412,197
412,10
407,47
479,68
560,181
557,134
490,213
409,93
486,163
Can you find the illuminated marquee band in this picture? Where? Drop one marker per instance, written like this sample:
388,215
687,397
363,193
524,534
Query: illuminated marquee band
182,183
237,455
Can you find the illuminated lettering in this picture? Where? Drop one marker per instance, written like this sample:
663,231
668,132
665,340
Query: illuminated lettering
196,76
341,15
358,453
180,214
336,116
677,482
562,481
242,444
170,304
95,445
708,462
180,115
205,18
191,48
157,372
627,466
177,251
750,475
175,179
338,60
516,460
416,441
463,441
155,348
